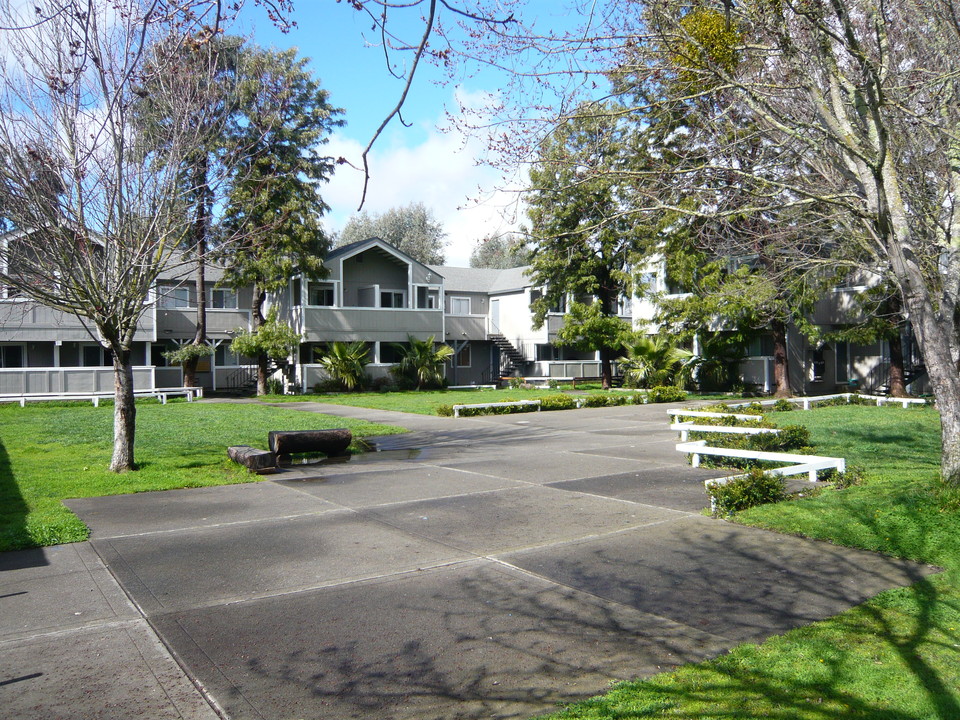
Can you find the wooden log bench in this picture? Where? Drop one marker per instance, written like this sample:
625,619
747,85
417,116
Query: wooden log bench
258,461
329,442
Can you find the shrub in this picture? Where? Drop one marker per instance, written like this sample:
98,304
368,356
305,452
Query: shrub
754,488
783,405
553,384
445,410
274,386
515,383
328,385
666,393
853,475
557,402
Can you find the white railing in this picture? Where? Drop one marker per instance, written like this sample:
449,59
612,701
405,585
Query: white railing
95,397
807,402
798,464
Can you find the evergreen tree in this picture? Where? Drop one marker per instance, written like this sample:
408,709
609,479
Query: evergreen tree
273,209
582,243
500,252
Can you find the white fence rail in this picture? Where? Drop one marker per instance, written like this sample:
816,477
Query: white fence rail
162,394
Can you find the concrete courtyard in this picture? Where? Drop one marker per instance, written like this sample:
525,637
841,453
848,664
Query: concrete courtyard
475,568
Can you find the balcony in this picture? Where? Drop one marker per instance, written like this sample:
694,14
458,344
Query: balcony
182,322
370,324
466,327
23,320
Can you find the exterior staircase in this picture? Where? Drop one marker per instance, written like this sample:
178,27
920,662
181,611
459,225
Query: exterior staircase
511,358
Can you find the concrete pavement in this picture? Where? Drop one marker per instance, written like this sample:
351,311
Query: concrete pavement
474,568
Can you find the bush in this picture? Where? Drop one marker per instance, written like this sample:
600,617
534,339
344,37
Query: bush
853,475
515,383
754,488
328,385
666,393
274,386
783,405
445,410
557,402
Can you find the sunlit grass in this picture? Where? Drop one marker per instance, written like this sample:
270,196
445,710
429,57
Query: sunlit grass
896,657
49,453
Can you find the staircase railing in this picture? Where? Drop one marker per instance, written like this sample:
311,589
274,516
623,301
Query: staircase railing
241,378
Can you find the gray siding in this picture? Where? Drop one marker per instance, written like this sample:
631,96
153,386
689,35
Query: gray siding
330,324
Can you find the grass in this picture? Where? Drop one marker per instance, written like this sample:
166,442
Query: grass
896,657
50,453
419,402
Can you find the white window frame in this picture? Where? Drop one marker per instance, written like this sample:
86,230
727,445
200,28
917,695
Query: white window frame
226,292
454,300
169,296
393,292
328,284
23,355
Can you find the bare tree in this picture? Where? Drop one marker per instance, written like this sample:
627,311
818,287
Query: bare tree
98,212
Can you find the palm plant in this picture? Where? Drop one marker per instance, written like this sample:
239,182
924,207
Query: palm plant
345,362
655,360
422,360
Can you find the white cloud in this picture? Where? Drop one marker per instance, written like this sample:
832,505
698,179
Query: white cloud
436,168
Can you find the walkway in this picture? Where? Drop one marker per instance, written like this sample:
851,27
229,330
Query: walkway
475,568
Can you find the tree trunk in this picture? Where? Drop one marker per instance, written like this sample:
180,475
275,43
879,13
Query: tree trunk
932,333
124,413
781,367
898,386
606,368
200,224
256,312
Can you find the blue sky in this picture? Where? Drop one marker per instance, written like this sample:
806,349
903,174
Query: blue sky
416,164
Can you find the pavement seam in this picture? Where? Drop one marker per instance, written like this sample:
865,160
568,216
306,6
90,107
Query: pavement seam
95,625
223,602
252,521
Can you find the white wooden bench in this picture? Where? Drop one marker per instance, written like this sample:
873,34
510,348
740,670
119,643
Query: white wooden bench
685,428
704,414
798,464
478,406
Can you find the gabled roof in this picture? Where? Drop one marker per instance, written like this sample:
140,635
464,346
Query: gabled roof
355,248
482,280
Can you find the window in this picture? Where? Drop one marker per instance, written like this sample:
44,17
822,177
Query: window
392,299
96,356
545,352
459,306
320,294
463,357
560,306
223,299
392,352
819,365
11,356
174,297
842,353
428,298
295,292
624,305
225,357
760,347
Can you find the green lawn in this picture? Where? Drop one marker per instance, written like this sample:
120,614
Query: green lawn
420,402
896,657
49,453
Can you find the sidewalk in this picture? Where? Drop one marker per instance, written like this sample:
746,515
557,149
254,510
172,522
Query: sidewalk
73,646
